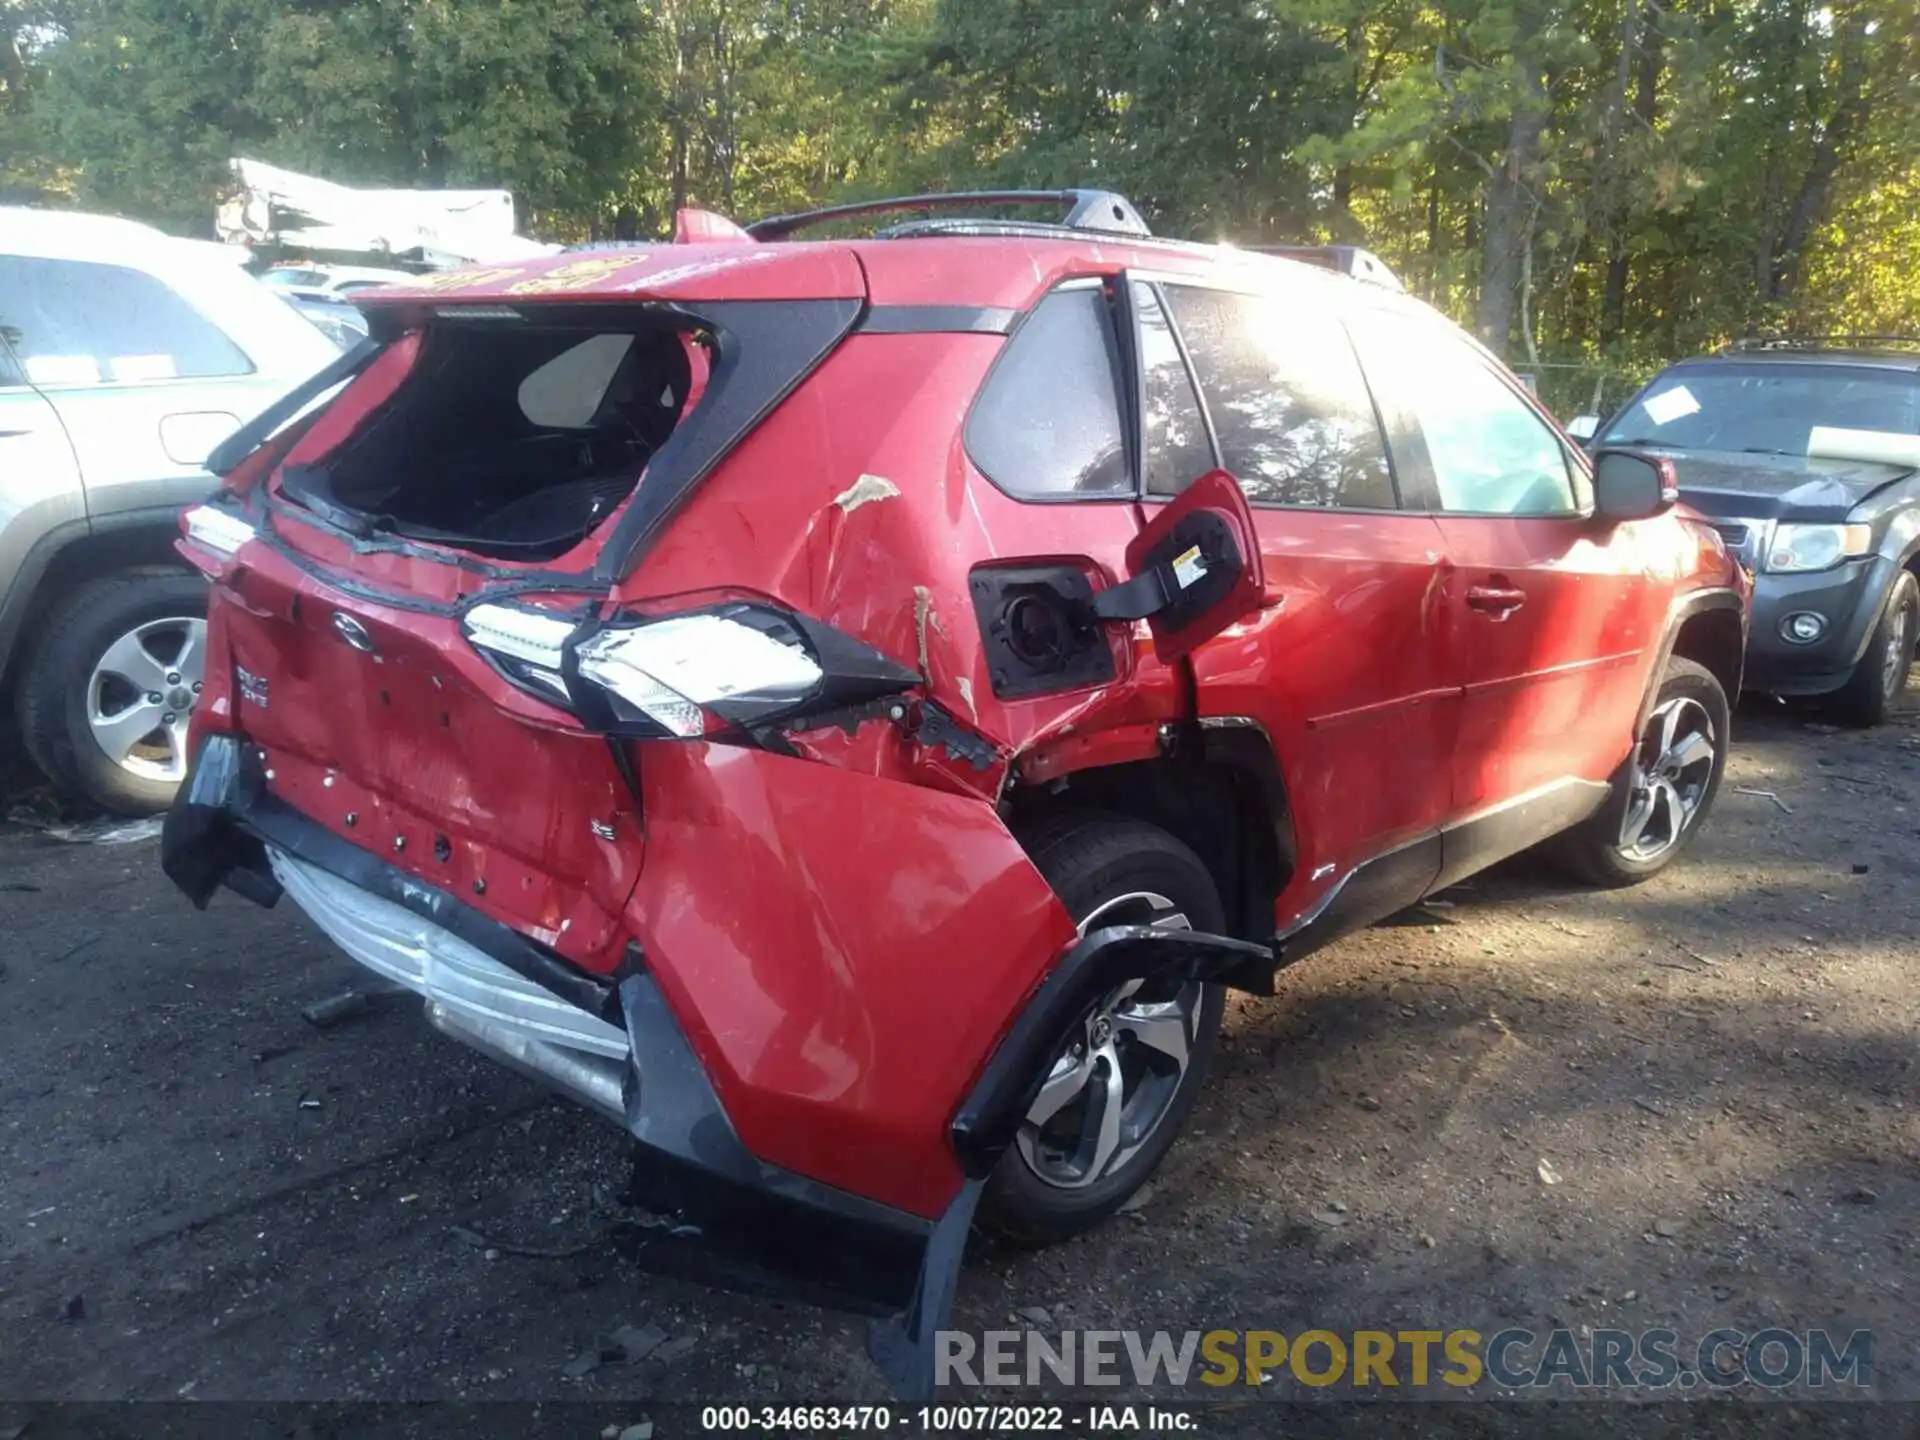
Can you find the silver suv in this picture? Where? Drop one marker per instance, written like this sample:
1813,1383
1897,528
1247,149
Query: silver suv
125,357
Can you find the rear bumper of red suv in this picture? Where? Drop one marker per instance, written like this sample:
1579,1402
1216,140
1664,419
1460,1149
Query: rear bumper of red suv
710,1205
711,1208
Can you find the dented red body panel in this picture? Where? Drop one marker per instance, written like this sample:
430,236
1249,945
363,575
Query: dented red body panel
845,948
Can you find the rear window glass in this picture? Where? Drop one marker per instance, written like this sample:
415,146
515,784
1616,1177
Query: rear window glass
72,322
1047,423
514,442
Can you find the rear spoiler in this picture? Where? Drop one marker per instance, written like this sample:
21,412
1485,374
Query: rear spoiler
225,457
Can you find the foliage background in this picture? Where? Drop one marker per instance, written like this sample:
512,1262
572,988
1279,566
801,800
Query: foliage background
1596,186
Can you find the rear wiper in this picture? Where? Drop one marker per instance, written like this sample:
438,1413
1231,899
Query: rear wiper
1763,450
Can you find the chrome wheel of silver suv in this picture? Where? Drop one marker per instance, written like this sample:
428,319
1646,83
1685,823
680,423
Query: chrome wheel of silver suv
143,690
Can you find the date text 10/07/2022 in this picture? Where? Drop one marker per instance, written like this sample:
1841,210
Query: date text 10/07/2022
944,1419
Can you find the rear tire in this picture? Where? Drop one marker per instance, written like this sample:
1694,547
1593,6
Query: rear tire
1876,682
1149,1048
1660,798
69,688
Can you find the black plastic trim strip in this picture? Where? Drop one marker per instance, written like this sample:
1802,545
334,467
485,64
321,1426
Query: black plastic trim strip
985,1124
748,1224
939,320
763,349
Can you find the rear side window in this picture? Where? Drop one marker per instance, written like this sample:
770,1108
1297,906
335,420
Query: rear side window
568,391
1047,423
1487,451
1176,450
1293,416
77,323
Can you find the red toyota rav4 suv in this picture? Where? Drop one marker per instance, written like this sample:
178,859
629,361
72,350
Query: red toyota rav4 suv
848,710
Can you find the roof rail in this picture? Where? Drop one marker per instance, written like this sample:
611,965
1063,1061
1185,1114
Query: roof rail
1812,342
1100,210
1347,259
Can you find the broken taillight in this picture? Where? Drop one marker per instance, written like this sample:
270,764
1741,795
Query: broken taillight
704,672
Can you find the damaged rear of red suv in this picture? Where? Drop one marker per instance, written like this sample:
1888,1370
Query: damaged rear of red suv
830,708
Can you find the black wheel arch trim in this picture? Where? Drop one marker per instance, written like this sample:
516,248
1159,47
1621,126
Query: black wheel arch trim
984,1125
20,597
1687,607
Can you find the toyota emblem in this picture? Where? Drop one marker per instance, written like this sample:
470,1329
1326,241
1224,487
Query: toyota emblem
353,632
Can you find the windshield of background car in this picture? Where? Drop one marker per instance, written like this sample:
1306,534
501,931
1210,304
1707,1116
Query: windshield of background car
1769,408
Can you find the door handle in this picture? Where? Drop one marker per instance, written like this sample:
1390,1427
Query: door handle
1498,601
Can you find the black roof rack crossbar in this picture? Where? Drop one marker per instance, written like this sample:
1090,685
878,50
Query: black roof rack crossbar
1807,342
1087,210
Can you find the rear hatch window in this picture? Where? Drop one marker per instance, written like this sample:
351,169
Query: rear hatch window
512,441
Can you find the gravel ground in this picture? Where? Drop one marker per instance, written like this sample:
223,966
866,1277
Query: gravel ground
204,1197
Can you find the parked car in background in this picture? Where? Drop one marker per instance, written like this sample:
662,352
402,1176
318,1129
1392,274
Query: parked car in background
845,711
125,356
335,282
1806,457
340,322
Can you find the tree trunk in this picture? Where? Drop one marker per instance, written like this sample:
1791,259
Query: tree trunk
678,111
1356,44
1810,203
1509,197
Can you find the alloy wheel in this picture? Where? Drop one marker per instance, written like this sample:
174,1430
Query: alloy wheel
1898,654
1672,772
142,690
1112,1084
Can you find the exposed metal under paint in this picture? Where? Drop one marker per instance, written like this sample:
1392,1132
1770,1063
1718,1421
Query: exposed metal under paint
924,620
864,491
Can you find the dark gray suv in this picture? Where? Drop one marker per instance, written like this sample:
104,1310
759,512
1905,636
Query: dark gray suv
1806,458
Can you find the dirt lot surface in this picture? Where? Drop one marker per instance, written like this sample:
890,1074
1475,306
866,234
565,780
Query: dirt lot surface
202,1196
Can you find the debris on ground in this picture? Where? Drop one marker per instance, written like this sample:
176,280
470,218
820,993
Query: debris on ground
1137,1200
674,1349
1548,1175
496,1248
1764,795
105,831
348,1005
1036,1315
636,1342
75,1309
1666,1229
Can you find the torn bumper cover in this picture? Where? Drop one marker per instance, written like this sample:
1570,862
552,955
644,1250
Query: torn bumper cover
713,1210
724,1215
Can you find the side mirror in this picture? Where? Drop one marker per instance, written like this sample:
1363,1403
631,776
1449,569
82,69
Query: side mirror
1583,427
1633,485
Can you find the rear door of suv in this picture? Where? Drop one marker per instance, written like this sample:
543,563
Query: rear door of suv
39,479
144,379
1344,666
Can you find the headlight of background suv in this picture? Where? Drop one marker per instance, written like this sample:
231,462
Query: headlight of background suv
1815,547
